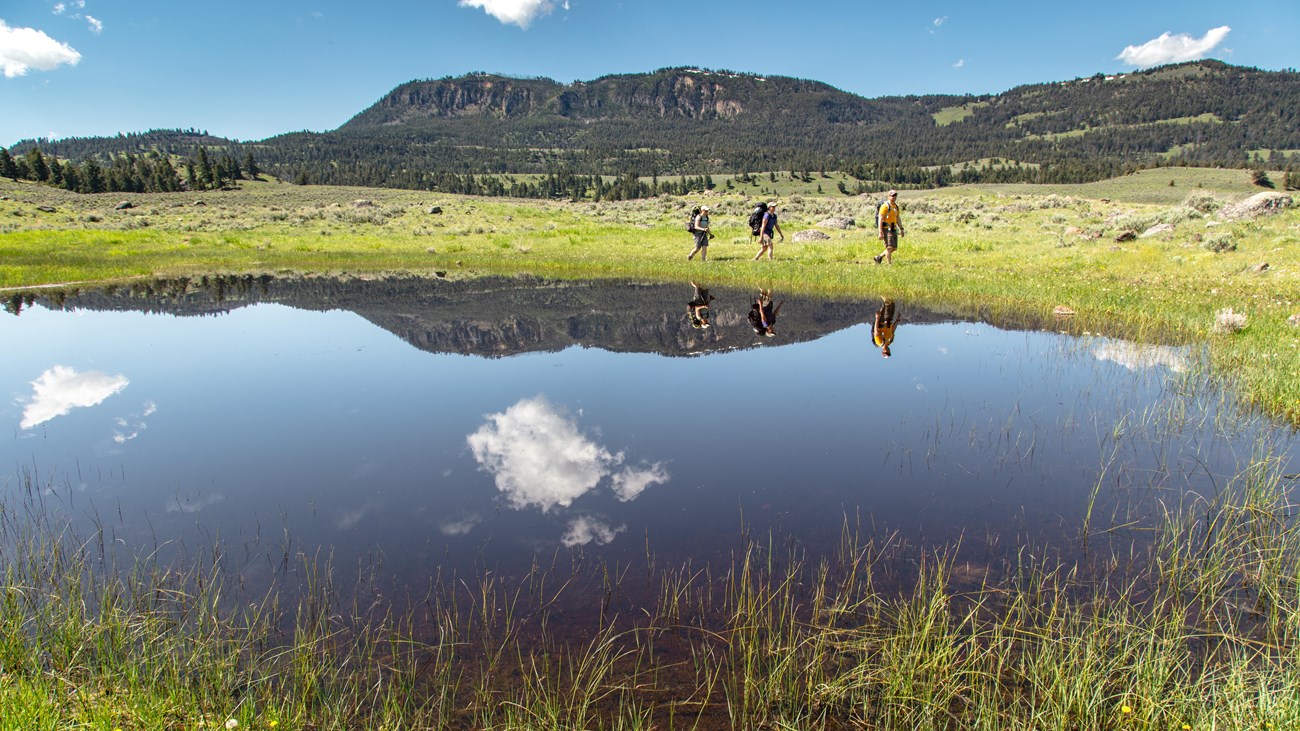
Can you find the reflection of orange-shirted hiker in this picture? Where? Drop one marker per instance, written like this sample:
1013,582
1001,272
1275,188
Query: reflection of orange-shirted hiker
882,330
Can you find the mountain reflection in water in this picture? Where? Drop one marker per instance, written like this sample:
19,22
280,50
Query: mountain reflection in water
618,423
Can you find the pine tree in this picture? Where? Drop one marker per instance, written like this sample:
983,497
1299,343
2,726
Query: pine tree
36,166
251,168
7,167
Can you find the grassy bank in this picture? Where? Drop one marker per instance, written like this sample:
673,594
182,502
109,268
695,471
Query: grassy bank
984,251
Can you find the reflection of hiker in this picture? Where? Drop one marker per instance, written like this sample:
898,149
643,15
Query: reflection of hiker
697,310
765,229
882,330
701,230
762,315
890,224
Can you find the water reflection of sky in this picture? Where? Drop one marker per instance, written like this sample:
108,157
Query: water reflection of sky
321,426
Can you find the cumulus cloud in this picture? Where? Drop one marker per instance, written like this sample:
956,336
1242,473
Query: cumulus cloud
1136,356
584,530
460,526
23,49
519,12
538,458
130,426
1169,48
61,389
189,504
632,482
960,62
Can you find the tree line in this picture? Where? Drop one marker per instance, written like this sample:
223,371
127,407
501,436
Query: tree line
153,172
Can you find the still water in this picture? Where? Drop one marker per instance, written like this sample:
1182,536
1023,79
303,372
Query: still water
438,426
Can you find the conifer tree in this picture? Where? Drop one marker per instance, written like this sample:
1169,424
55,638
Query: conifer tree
36,166
7,167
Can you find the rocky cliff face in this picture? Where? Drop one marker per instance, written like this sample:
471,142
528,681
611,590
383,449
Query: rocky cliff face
672,93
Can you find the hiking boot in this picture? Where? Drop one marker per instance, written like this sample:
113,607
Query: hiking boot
877,258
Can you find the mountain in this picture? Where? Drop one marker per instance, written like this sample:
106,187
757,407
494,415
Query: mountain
425,134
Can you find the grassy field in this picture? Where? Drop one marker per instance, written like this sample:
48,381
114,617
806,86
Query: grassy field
1199,630
980,251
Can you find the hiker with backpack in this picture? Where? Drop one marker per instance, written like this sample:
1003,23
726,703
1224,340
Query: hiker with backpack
699,226
882,328
890,225
766,226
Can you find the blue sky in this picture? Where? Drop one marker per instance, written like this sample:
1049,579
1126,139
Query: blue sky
249,70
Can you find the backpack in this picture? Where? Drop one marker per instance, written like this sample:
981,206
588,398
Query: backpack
690,222
879,205
756,218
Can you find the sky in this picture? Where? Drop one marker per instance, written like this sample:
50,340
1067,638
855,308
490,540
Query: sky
249,70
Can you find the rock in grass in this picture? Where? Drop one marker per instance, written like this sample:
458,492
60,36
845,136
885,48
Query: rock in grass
811,234
123,206
840,222
1260,204
1156,230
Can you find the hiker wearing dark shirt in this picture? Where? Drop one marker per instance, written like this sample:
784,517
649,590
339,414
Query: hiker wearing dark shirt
765,231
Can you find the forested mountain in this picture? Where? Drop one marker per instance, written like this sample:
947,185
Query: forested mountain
462,134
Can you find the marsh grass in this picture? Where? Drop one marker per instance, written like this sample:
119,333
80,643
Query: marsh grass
1193,621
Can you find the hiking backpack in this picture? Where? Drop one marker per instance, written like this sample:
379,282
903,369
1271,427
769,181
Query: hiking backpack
880,205
690,222
756,218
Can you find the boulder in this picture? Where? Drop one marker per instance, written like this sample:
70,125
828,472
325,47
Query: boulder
1260,204
434,210
363,203
123,206
1156,230
47,209
1126,236
840,222
811,234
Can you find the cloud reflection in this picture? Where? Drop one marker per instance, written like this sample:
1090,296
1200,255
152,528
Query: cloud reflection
1135,356
584,530
61,389
539,459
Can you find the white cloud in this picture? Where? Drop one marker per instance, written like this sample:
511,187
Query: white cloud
538,458
460,527
96,25
23,49
193,504
519,12
1173,48
629,483
1136,356
584,530
960,62
61,389
130,428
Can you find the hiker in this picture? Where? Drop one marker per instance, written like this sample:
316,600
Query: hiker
890,224
697,310
700,227
762,315
882,329
768,225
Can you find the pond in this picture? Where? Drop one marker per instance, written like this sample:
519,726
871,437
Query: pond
439,428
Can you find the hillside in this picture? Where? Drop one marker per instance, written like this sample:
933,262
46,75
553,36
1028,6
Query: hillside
429,134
